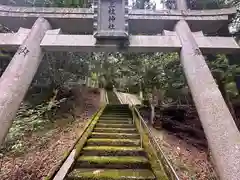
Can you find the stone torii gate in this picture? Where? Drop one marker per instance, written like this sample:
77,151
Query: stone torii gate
38,30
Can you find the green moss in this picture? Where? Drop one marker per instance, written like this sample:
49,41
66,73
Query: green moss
80,142
108,174
113,116
114,125
113,148
113,159
114,140
157,166
65,154
115,121
87,133
115,135
109,129
115,129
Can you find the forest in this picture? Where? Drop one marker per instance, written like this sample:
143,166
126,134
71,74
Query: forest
66,85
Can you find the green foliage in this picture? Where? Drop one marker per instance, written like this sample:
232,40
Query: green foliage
206,4
127,71
62,69
235,25
144,4
27,120
59,3
134,72
221,66
143,71
212,4
232,89
30,119
226,73
198,4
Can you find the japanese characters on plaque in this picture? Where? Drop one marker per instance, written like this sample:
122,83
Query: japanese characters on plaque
111,15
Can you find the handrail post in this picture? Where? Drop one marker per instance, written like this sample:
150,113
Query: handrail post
141,129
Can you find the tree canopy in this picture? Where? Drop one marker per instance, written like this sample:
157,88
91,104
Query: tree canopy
126,71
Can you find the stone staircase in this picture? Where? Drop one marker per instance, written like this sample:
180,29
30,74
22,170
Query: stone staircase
113,150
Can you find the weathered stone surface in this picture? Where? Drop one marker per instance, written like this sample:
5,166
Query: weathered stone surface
139,21
17,77
221,132
12,41
215,44
181,4
86,43
169,42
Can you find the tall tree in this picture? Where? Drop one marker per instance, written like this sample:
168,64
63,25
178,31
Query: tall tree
144,4
198,4
205,4
235,25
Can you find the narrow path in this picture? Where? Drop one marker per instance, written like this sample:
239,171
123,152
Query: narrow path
127,98
115,145
113,150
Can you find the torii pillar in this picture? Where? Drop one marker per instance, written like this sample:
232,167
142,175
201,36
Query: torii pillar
220,129
18,76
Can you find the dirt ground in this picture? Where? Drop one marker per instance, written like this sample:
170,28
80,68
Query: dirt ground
189,162
183,141
48,148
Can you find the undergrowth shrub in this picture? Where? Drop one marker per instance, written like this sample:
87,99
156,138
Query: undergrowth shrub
31,119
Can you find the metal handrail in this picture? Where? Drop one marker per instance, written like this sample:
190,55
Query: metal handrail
166,163
142,124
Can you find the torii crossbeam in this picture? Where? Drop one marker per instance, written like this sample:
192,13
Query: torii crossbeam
79,30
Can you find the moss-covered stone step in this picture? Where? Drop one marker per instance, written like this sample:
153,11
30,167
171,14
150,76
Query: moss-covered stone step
115,118
116,130
115,125
113,151
116,109
122,110
117,113
115,135
113,142
113,162
115,121
111,174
